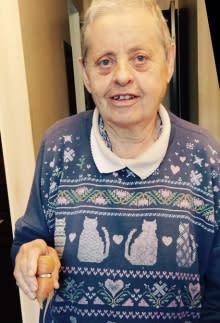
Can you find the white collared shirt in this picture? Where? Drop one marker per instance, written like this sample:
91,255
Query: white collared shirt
145,164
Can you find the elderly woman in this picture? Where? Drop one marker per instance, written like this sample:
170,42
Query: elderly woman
125,198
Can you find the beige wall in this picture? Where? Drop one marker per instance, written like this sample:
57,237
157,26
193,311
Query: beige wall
164,4
209,91
44,27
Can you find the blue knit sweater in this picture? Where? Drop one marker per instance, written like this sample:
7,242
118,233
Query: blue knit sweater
131,250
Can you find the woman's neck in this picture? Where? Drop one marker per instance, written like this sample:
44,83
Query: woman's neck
129,144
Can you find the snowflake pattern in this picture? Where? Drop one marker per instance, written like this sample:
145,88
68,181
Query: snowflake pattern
195,177
69,155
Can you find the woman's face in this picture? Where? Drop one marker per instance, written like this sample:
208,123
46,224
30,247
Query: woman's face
126,68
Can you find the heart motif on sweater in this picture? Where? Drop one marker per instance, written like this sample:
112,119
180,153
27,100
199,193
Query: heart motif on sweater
114,286
182,159
167,240
194,289
174,169
117,239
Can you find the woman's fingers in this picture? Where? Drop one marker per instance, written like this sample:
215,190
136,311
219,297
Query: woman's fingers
26,266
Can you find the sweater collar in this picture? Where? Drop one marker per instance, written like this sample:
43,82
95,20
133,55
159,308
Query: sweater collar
144,165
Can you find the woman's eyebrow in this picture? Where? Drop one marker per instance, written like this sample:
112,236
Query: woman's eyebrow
106,53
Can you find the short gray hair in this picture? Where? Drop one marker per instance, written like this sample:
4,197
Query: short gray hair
101,7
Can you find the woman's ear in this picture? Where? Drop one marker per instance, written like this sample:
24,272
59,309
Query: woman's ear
85,75
171,56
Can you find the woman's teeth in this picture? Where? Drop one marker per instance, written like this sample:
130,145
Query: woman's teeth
123,97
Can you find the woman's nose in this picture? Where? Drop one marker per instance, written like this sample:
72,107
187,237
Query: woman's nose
123,73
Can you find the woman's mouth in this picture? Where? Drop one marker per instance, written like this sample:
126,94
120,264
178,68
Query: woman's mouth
123,97
124,100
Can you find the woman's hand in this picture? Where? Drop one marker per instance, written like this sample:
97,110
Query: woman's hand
26,263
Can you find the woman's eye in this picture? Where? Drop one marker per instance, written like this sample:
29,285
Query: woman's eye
140,59
105,62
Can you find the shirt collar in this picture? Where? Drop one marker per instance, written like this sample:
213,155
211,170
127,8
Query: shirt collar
144,165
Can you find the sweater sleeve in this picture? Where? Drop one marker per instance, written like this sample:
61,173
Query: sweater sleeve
211,297
38,219
33,225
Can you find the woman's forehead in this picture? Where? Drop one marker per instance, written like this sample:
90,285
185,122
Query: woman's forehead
132,27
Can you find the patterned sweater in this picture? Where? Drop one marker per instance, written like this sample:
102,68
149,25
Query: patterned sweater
131,250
